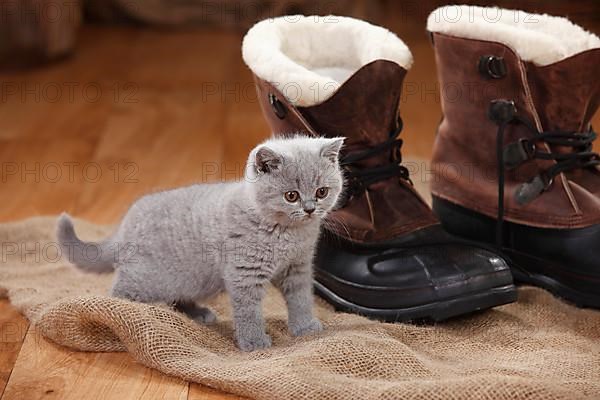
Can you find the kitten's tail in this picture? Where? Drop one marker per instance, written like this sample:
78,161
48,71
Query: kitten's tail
88,256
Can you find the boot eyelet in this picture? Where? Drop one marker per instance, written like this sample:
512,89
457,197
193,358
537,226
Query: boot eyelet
502,111
492,67
277,106
517,153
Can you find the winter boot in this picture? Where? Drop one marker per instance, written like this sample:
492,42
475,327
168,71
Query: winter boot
513,156
382,253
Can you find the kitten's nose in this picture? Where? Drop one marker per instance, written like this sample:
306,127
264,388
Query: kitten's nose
309,207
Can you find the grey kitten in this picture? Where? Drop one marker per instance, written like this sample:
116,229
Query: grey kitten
186,245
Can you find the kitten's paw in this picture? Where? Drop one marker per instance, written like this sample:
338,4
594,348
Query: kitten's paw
204,316
254,343
314,326
201,315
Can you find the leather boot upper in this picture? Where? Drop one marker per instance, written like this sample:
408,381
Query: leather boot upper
562,95
343,79
364,110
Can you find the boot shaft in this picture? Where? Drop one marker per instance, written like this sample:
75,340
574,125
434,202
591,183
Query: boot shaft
554,85
365,108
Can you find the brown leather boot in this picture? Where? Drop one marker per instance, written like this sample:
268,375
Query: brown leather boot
513,158
382,253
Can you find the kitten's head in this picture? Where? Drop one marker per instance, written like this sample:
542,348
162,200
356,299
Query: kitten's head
295,180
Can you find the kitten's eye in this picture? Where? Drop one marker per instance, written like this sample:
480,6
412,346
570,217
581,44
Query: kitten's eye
322,192
291,196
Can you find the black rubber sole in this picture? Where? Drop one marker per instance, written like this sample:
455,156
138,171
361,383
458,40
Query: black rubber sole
517,260
431,312
528,268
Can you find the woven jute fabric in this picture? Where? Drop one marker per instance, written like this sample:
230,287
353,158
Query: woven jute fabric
537,348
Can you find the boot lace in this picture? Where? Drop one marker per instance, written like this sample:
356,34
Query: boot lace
503,112
361,178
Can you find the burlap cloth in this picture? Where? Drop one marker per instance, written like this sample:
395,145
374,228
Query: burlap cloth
537,348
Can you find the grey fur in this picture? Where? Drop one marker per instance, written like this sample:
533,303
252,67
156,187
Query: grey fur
185,245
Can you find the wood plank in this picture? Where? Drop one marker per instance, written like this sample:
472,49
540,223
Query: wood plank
46,370
163,142
36,179
199,392
13,328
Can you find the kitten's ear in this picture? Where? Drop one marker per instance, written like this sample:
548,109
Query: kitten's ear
332,148
266,160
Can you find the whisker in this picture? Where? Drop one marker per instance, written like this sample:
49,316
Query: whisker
340,222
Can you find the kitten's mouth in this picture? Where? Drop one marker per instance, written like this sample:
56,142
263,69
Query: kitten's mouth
305,218
309,217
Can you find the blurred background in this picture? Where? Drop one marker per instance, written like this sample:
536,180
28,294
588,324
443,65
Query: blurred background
102,101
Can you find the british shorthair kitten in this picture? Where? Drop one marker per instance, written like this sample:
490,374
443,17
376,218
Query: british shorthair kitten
185,245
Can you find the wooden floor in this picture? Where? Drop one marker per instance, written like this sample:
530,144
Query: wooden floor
134,111
145,113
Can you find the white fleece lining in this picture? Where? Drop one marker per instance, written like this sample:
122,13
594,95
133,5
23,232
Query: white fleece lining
308,57
539,38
